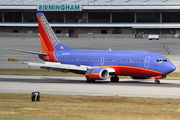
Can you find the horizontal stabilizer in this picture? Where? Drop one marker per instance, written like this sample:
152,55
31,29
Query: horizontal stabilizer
25,51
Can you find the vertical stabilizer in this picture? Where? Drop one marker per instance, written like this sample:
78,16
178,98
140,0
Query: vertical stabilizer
49,40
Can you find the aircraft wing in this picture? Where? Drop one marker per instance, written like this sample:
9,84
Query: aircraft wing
65,67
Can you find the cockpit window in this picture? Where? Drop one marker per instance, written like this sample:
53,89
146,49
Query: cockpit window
162,60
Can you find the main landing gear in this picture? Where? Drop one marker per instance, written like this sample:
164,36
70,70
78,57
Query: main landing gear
156,81
115,79
90,81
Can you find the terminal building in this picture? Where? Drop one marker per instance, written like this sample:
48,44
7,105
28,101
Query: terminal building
78,17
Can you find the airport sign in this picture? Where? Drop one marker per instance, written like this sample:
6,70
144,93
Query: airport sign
59,7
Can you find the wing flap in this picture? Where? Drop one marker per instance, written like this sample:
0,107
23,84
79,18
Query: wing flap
65,67
59,66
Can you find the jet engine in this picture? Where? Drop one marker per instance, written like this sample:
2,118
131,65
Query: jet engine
140,77
97,74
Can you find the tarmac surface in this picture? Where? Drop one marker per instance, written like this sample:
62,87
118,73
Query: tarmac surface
78,86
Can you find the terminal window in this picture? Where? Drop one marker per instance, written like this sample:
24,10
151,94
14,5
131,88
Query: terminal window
12,17
29,16
15,31
0,16
55,17
148,17
103,31
171,17
74,17
123,17
99,17
58,31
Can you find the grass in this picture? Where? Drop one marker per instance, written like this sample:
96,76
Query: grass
67,107
39,72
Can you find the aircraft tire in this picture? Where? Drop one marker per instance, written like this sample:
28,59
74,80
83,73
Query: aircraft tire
157,81
114,79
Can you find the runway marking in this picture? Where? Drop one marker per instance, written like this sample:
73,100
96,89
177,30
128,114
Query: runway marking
166,49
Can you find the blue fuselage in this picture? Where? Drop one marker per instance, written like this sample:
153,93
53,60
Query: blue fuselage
127,62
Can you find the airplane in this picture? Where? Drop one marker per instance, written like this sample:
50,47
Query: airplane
97,64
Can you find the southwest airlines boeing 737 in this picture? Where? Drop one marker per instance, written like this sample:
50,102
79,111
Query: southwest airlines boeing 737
96,64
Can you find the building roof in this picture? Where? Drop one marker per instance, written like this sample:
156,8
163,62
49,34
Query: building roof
89,2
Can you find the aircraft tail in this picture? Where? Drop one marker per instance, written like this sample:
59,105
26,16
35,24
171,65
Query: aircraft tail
49,40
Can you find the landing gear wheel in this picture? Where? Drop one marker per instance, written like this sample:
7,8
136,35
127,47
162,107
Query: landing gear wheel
115,79
156,81
90,81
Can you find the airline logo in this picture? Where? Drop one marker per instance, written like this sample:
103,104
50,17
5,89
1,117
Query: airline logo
48,31
55,7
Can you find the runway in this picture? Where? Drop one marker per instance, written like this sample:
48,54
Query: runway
78,86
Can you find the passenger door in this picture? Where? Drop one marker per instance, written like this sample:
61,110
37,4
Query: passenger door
146,62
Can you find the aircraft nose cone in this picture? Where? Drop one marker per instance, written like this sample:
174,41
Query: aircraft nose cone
171,67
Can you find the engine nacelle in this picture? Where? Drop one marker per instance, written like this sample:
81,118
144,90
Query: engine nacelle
140,77
97,74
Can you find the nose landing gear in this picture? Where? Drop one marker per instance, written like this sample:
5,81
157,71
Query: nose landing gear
156,81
